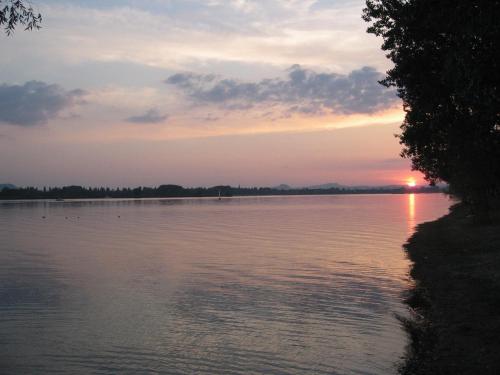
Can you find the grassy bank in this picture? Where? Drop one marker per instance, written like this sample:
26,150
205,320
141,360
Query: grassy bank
456,299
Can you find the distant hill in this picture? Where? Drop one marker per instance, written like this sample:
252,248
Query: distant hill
282,187
7,186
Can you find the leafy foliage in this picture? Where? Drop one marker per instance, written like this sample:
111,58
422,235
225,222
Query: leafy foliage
445,55
15,12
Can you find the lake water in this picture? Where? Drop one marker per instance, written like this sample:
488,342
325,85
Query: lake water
275,285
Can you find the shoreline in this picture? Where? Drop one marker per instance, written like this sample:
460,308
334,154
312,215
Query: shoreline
455,301
177,191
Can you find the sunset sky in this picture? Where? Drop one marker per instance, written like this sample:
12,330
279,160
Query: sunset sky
197,93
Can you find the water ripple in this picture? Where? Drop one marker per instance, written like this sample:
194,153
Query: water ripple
281,285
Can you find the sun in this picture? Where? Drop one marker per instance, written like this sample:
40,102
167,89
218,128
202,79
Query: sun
411,182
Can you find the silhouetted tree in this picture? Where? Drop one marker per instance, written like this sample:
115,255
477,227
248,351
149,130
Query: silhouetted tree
445,55
16,12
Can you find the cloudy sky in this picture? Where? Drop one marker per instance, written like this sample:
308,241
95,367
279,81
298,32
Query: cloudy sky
197,92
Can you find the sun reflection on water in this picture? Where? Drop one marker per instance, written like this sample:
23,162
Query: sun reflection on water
411,212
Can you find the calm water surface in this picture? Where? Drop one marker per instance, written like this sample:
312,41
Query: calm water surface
276,285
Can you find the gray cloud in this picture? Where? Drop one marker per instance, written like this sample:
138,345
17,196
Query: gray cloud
34,103
302,91
152,116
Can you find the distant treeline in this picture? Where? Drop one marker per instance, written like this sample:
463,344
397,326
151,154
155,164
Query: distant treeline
173,191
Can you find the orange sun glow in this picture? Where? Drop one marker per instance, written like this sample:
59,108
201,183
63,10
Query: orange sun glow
411,182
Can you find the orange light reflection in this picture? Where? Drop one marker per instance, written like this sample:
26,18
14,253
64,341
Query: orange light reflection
411,212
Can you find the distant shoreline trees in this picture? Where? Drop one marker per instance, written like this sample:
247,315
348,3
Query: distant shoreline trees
446,70
177,191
